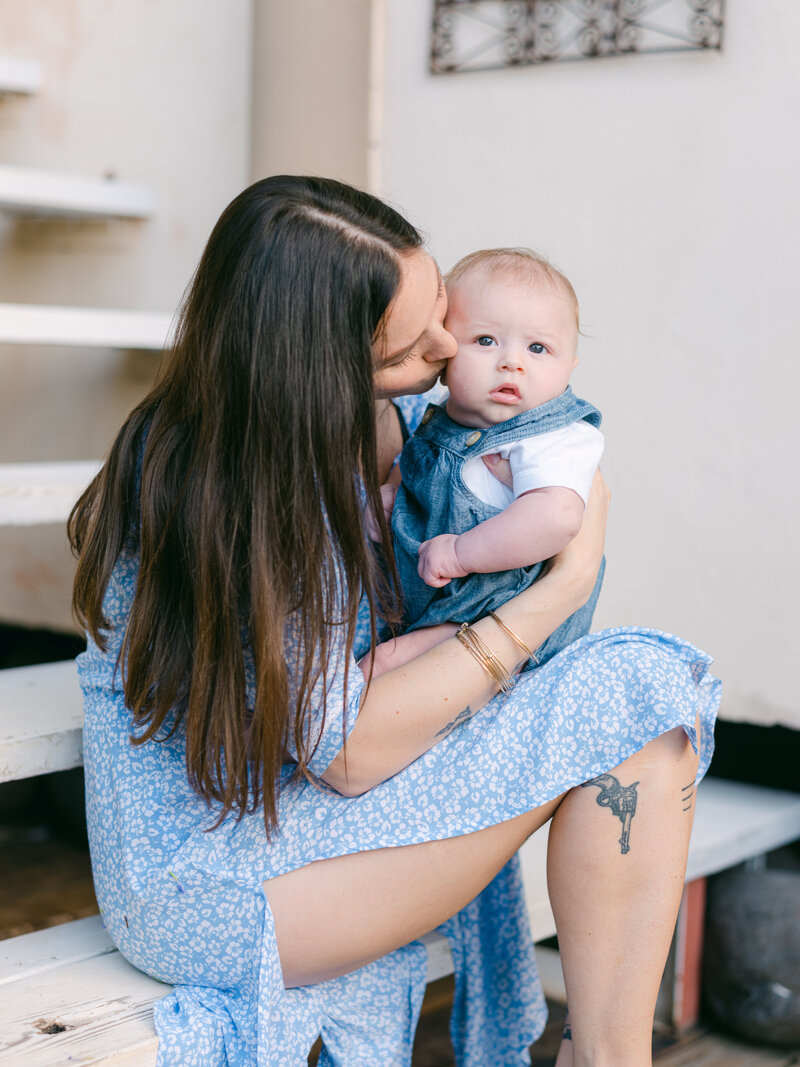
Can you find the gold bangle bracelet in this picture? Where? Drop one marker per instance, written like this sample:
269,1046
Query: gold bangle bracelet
517,640
478,648
490,663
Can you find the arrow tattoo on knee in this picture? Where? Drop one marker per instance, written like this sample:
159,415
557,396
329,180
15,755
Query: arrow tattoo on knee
621,799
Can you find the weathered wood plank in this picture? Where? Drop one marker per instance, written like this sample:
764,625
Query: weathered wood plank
41,720
712,1050
104,1004
734,822
59,946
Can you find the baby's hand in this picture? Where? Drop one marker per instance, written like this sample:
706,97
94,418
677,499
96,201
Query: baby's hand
388,493
438,561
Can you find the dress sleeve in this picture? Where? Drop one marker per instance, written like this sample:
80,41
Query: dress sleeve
567,457
413,407
334,705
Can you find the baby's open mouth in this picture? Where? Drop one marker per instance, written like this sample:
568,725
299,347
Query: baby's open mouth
508,392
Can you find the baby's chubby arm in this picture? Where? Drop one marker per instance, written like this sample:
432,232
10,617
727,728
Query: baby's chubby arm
534,527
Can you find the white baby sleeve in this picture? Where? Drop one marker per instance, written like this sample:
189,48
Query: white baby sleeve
567,457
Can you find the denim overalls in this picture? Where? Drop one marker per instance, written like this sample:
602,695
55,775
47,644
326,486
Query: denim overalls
433,499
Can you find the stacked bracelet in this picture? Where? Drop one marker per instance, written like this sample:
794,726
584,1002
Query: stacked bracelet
517,640
478,648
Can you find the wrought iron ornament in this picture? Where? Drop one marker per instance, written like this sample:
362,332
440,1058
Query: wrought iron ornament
490,34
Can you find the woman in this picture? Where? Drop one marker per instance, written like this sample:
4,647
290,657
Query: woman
278,821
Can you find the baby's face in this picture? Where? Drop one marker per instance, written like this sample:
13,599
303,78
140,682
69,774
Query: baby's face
517,345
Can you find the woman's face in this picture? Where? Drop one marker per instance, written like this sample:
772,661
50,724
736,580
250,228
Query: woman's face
413,346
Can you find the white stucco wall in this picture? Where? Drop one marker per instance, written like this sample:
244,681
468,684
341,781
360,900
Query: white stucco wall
666,187
154,93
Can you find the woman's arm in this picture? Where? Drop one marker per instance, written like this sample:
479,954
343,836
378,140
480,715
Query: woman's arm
406,711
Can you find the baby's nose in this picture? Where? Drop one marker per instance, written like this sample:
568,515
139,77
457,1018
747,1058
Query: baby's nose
511,359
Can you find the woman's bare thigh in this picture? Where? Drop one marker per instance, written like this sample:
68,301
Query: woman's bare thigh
336,915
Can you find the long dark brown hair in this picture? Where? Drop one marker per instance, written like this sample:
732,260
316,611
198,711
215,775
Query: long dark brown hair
240,481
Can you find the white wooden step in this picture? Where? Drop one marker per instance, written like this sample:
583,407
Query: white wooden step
32,324
72,976
19,75
39,493
24,191
59,946
41,720
104,1005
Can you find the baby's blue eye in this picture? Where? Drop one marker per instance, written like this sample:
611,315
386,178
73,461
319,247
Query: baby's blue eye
536,348
485,342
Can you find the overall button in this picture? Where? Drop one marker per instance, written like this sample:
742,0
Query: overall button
473,438
426,418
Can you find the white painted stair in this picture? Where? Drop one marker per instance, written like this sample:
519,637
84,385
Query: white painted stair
25,191
32,324
19,75
33,494
70,979
41,720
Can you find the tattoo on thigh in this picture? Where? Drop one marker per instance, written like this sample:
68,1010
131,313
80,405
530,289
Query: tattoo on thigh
687,796
621,799
459,720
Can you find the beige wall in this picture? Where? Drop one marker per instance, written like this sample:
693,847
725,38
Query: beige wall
310,99
666,187
154,93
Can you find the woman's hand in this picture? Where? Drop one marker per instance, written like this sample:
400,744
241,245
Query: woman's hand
388,493
500,468
398,651
580,560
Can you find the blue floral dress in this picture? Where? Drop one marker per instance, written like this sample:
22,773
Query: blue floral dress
188,907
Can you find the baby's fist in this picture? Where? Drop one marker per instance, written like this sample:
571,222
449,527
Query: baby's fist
438,561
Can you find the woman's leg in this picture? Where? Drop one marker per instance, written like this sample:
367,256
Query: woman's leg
615,911
336,915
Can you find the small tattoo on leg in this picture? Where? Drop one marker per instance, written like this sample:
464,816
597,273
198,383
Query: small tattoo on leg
621,799
567,1034
687,796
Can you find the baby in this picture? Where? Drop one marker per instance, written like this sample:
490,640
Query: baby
465,542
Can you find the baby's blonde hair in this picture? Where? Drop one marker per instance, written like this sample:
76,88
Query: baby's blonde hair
522,264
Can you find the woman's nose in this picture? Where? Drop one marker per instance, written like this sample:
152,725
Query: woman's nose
445,347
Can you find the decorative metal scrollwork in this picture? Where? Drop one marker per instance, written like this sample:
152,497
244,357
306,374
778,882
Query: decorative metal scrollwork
489,34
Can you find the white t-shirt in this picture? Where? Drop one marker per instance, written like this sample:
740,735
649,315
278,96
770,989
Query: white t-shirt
567,457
